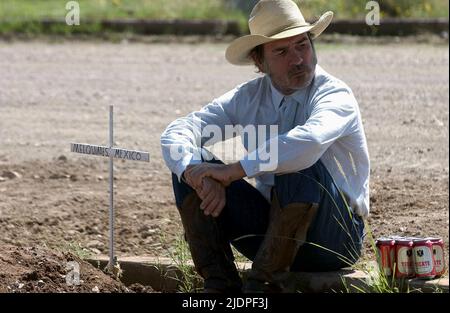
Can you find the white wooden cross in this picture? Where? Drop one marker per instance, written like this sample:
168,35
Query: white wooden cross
111,152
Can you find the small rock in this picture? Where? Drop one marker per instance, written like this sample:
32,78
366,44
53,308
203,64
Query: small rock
59,176
20,285
165,221
143,229
438,122
95,289
138,288
91,230
125,231
148,233
94,244
2,179
11,174
36,229
40,283
62,158
95,251
77,199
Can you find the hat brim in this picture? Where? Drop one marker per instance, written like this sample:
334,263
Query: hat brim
238,51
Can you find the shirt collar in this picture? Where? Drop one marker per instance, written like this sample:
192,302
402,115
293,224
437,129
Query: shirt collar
299,95
277,97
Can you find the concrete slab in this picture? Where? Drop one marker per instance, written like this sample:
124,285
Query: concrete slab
164,275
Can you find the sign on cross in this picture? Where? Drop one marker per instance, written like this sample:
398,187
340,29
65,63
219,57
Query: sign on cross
111,152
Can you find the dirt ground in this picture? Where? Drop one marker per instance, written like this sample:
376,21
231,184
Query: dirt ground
36,269
52,94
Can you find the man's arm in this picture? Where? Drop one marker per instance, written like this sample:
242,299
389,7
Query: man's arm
224,173
334,115
182,141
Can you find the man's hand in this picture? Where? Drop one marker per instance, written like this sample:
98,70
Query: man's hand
213,197
224,173
190,179
209,181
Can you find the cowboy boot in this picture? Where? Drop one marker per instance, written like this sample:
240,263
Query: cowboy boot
286,233
211,253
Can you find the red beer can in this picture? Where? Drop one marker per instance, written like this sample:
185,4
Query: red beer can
385,255
404,258
423,259
438,254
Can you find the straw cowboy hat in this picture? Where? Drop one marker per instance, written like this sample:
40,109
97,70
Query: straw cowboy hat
272,20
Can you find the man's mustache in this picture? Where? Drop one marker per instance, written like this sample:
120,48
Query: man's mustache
298,69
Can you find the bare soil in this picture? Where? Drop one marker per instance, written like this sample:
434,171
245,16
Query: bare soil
39,269
52,94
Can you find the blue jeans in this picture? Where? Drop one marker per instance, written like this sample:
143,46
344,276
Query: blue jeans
334,239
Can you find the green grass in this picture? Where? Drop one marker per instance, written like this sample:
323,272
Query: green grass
22,16
101,9
389,8
188,281
207,9
19,16
76,249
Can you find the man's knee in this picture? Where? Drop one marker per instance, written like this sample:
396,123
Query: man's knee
305,186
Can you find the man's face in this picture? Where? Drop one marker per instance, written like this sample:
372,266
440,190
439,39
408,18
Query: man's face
290,63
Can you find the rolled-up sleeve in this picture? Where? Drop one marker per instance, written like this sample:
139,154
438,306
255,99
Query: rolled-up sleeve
183,139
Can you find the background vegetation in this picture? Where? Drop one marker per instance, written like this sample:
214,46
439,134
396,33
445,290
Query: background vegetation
23,15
